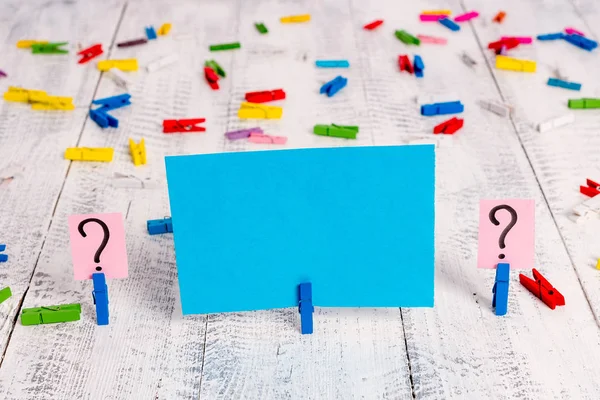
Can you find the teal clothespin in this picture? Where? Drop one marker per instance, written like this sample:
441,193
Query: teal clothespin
51,314
48,48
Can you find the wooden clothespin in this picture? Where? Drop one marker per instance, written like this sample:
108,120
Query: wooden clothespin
212,78
48,48
158,226
305,307
51,314
258,111
100,296
89,53
591,189
183,125
265,96
500,289
138,152
449,127
542,289
89,154
124,65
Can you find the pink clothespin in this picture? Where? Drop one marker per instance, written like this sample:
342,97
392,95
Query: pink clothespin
466,17
261,138
431,17
432,39
521,39
573,31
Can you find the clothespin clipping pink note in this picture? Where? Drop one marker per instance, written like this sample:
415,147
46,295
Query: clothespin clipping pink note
98,245
506,233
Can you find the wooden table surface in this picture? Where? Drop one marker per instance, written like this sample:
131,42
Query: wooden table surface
457,350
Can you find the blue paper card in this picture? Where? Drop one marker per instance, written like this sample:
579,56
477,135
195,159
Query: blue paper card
356,222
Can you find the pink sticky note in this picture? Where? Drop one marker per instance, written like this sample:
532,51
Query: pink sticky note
87,233
519,239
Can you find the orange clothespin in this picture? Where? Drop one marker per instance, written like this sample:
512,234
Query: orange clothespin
499,17
89,53
592,188
542,289
183,125
212,78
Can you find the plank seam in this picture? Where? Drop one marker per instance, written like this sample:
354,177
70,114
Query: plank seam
410,374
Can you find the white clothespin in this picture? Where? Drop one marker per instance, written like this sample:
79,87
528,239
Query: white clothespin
586,210
131,181
556,122
501,109
467,60
162,62
119,77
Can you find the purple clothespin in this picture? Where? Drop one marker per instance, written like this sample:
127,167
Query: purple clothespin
244,133
2,74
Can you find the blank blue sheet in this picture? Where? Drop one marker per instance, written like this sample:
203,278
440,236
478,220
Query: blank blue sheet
357,222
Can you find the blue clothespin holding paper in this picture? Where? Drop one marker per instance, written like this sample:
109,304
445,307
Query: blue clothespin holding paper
334,86
158,226
100,295
500,289
305,307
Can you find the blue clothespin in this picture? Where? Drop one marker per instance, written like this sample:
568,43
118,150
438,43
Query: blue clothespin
451,107
448,23
332,63
114,102
100,295
150,32
334,86
551,36
103,119
305,307
158,226
581,42
3,257
564,84
500,289
418,66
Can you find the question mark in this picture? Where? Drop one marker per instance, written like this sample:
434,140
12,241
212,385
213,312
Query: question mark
513,221
104,240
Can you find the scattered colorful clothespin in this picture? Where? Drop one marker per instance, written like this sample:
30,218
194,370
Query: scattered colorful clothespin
449,127
339,131
466,16
212,64
564,84
333,86
260,27
292,19
134,42
450,107
551,36
211,78
373,25
22,95
500,289
89,53
159,226
103,119
113,102
404,64
54,103
332,63
499,17
124,65
119,78
587,209
51,314
407,38
26,44
256,137
418,66
164,29
573,31
507,43
100,296
584,103
515,64
581,42
138,152
520,39
3,257
48,48
150,32
258,111
5,294
162,62
448,23
591,189
542,289
225,46
556,123
598,264
265,96
432,17
437,12
242,134
305,307
432,39
183,125
497,108
89,154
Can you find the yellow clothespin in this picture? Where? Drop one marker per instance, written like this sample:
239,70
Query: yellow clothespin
436,12
138,152
124,65
258,111
53,103
23,95
598,265
26,44
89,154
164,29
514,64
295,18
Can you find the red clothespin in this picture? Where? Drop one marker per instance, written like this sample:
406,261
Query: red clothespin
404,64
373,25
212,78
592,188
183,125
449,127
89,53
263,97
542,289
508,43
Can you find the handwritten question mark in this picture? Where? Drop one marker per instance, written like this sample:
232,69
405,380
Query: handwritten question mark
104,240
513,221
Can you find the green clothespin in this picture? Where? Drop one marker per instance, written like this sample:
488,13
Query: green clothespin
333,130
225,46
215,67
48,48
584,103
261,28
5,294
407,38
51,314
